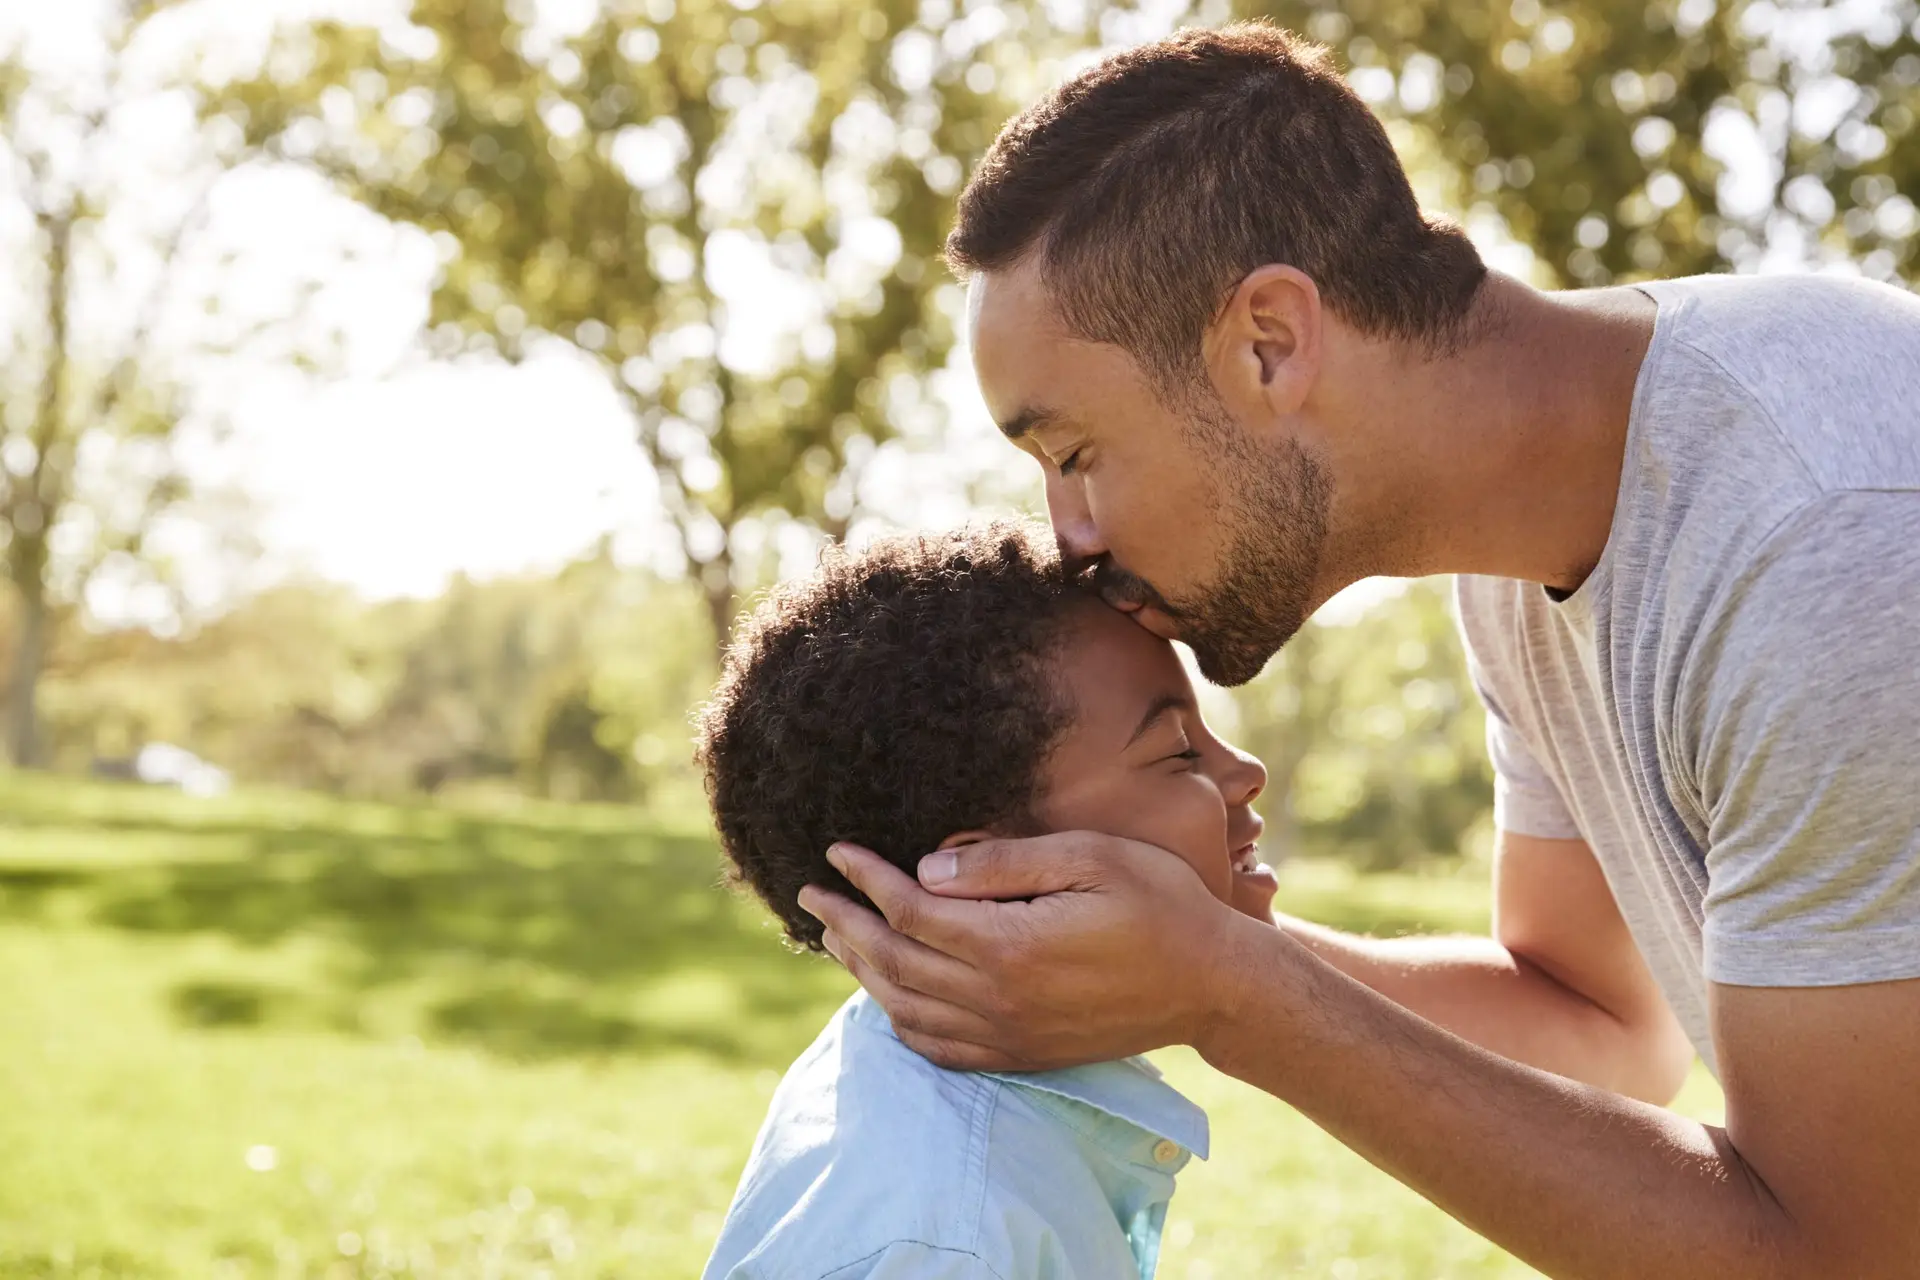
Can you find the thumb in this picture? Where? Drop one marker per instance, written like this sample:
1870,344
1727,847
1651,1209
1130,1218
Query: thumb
1013,869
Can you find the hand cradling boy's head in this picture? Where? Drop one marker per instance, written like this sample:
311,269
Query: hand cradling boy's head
935,689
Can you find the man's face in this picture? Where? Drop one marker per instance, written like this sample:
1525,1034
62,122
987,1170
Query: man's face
1205,531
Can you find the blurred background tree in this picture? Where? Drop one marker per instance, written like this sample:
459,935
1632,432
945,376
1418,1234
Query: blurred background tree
86,383
115,318
1372,737
1621,140
731,210
655,182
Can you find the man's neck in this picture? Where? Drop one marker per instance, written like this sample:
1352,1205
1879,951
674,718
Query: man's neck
1503,457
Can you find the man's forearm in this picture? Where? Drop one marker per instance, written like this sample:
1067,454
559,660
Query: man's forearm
1580,1182
1480,991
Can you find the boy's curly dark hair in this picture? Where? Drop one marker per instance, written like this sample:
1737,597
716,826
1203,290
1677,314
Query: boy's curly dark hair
899,695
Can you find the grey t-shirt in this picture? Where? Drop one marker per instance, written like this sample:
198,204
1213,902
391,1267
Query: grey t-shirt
1728,709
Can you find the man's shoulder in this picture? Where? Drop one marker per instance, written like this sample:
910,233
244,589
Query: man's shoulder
1823,367
1727,315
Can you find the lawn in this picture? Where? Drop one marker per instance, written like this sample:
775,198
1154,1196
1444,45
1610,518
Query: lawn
278,1035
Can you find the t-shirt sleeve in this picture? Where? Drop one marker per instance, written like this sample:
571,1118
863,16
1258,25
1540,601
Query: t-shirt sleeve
1805,694
1526,801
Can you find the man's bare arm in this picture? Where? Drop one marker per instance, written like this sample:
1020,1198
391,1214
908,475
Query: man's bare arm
1115,948
1810,1179
1560,986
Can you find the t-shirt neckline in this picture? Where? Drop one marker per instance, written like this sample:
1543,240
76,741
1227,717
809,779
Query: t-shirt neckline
1581,604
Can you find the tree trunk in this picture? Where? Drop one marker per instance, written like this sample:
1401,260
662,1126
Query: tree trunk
33,504
23,682
716,581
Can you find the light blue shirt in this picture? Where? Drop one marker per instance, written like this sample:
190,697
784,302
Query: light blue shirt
874,1164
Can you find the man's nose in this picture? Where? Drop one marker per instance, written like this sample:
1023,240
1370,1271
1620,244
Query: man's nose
1073,526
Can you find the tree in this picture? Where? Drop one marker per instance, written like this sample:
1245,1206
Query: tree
653,185
654,181
110,160
1621,139
1372,736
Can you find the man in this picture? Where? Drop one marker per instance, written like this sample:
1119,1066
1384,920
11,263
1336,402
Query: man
1204,300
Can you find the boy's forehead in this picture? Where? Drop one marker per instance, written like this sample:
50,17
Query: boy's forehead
1116,668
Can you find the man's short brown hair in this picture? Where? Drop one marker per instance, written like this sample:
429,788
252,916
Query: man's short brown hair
1154,182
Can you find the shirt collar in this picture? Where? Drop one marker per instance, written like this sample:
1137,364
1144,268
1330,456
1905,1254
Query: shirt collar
1131,1089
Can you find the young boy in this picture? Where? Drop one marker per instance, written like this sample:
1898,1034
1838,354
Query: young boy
921,694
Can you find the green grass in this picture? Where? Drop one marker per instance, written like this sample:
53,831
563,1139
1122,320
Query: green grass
278,1035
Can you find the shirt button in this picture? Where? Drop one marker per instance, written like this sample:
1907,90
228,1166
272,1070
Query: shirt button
1166,1151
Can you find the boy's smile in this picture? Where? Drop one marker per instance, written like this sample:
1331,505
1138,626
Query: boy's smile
1138,761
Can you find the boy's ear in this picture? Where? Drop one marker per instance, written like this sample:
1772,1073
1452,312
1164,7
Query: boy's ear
959,838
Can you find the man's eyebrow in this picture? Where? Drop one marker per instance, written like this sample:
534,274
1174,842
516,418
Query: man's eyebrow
1026,420
1156,711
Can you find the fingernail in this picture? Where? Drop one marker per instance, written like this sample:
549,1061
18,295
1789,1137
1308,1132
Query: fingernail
832,944
938,868
806,900
837,857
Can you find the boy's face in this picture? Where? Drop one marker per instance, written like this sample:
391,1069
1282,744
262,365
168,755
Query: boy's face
1139,762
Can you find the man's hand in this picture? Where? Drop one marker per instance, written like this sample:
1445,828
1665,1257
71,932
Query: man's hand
1120,950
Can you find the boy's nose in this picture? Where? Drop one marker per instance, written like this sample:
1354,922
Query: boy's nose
1245,777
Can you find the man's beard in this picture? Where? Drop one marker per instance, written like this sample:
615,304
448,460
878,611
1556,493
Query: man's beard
1275,505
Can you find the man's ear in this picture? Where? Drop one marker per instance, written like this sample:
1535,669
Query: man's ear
959,838
1263,349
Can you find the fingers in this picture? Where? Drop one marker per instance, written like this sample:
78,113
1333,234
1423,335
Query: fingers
912,1012
893,957
1007,869
958,1055
937,1031
956,928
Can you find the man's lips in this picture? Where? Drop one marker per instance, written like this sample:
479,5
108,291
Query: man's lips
1146,615
1156,622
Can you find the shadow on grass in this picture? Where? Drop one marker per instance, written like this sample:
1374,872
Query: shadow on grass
221,1004
573,933
528,1025
78,1264
24,890
526,938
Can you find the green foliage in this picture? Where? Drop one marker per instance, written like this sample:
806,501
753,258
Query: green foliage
643,185
581,686
119,328
69,381
1372,737
1599,131
577,686
280,1035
